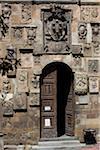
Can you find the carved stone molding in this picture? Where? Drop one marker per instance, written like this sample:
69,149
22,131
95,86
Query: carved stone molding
82,32
81,84
56,27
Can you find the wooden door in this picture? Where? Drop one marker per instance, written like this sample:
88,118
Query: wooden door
49,104
57,102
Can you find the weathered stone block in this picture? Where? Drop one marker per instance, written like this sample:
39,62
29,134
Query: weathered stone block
22,80
26,60
20,102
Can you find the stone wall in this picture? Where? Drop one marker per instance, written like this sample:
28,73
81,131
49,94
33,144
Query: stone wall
28,44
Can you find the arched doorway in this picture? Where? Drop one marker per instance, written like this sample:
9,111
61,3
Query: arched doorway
57,100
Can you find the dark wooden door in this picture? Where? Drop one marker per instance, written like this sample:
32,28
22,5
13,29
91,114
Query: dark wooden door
48,104
57,113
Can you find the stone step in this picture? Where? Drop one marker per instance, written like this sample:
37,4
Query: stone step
59,143
69,142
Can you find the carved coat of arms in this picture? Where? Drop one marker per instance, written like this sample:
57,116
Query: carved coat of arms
57,29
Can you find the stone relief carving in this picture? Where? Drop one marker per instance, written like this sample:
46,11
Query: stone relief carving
93,85
96,48
20,101
22,80
56,21
6,86
95,32
6,12
82,31
17,33
77,62
12,57
26,12
81,84
9,63
89,13
34,83
8,107
37,59
77,50
87,50
4,19
93,66
34,99
31,35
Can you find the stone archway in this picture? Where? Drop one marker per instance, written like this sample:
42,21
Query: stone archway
57,103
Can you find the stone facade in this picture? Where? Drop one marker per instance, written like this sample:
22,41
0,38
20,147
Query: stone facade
33,35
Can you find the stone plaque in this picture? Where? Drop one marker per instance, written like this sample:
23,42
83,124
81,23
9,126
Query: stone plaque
22,80
93,66
8,107
34,99
56,24
26,60
34,83
26,13
77,50
90,14
87,48
20,101
82,32
17,34
84,100
96,49
81,84
93,84
95,32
